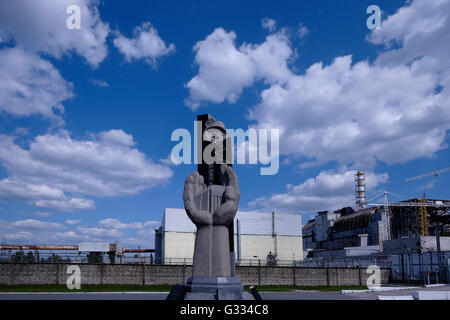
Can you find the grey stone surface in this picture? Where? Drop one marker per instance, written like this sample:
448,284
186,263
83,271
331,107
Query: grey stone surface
215,288
212,210
211,199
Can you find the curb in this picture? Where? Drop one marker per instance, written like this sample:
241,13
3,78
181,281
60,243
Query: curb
395,298
377,289
87,292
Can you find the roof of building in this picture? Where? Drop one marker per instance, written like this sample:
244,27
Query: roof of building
309,224
258,223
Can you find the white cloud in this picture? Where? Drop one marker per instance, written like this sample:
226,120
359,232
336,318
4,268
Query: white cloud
117,224
70,204
57,171
72,221
146,44
270,58
20,236
225,70
356,113
329,190
99,83
110,229
418,33
302,31
269,24
70,236
33,224
12,190
42,214
31,86
40,26
115,137
100,232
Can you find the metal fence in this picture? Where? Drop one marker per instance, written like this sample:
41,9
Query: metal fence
421,268
356,262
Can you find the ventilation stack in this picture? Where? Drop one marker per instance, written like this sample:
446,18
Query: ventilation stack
360,189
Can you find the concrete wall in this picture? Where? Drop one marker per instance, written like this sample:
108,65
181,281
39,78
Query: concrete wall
403,245
11,273
178,246
287,247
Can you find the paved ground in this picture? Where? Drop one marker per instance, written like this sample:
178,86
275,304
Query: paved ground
297,295
85,296
374,295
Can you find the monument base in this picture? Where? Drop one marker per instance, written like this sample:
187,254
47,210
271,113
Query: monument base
210,288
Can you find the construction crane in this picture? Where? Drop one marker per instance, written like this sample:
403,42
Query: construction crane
422,209
435,173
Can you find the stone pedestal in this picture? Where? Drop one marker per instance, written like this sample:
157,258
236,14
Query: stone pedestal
210,288
216,288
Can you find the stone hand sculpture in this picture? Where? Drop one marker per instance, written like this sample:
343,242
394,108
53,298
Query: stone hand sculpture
212,249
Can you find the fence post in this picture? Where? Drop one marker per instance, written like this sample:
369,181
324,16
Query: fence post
259,273
57,273
328,275
295,280
101,273
143,274
359,275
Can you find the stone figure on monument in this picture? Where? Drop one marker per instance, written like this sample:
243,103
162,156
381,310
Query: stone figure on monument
211,198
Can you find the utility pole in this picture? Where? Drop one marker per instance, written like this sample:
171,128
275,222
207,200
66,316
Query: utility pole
438,249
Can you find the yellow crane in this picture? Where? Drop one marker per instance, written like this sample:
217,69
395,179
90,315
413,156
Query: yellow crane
423,210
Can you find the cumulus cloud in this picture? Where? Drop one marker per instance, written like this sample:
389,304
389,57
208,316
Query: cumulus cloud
20,236
40,26
356,113
69,204
362,112
42,214
146,45
100,232
33,224
269,24
57,171
117,224
110,229
73,221
99,83
328,190
69,236
302,31
393,110
28,230
30,85
13,190
225,70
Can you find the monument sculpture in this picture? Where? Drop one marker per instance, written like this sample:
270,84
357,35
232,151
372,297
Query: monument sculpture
211,198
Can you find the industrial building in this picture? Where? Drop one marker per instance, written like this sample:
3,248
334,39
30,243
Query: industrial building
258,238
83,252
365,230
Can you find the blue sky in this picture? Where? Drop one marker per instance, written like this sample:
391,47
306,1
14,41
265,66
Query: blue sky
345,98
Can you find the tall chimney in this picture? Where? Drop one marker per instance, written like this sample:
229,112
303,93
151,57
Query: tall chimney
360,189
